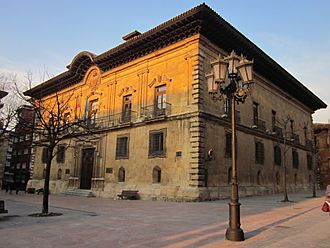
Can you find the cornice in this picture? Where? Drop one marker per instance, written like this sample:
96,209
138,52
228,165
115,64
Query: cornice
199,20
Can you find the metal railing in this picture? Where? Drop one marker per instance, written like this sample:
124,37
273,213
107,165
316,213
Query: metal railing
114,120
156,111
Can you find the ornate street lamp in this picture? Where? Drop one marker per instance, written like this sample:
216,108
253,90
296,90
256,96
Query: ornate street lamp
232,79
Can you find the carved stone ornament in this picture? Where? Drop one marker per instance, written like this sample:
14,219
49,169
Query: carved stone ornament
93,78
159,79
126,90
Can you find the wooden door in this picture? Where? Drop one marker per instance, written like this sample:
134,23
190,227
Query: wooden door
87,163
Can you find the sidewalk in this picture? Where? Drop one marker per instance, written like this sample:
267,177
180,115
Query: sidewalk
99,222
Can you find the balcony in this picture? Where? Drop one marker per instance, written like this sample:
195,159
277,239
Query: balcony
227,115
278,131
112,120
156,111
295,138
309,144
259,125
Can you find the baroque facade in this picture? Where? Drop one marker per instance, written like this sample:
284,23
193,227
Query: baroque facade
156,128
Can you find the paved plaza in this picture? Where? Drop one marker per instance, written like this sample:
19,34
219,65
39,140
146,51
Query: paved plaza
98,222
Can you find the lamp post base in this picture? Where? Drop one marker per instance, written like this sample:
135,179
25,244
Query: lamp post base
234,232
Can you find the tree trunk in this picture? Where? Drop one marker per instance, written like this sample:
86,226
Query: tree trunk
46,185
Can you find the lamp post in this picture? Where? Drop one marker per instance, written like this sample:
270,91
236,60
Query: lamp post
232,80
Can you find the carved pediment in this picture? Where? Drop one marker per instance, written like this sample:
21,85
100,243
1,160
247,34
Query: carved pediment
159,79
126,90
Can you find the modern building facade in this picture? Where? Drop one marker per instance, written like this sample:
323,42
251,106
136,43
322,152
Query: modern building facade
156,129
17,169
4,142
322,142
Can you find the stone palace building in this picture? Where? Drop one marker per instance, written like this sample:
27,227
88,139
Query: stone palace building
157,129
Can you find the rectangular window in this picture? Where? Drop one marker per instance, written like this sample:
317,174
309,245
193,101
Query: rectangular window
291,127
228,151
277,155
157,143
18,165
259,152
160,100
309,162
23,165
26,151
122,147
295,159
255,107
44,156
273,121
93,108
127,108
60,156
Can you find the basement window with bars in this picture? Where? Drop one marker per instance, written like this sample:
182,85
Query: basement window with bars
122,147
157,143
259,152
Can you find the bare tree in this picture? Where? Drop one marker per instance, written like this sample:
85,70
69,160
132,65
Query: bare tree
284,141
53,124
8,106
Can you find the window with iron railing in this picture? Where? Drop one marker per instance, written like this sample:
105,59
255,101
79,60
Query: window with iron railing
295,159
277,155
127,108
60,156
309,162
157,143
122,147
259,152
228,150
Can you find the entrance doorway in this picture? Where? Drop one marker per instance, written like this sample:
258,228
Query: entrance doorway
87,168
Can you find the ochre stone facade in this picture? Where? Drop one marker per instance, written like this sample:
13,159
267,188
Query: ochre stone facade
155,122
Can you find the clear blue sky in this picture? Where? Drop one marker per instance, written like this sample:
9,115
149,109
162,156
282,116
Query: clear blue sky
38,34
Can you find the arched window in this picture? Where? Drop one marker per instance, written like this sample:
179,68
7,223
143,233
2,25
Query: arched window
59,174
259,177
121,175
156,175
229,175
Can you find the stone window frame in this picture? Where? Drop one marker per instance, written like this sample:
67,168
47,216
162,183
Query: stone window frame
277,155
157,150
309,161
121,152
228,148
60,155
295,158
259,155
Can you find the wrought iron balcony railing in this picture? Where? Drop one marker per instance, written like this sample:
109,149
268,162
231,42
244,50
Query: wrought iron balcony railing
295,138
259,124
112,120
309,144
156,111
227,115
278,131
